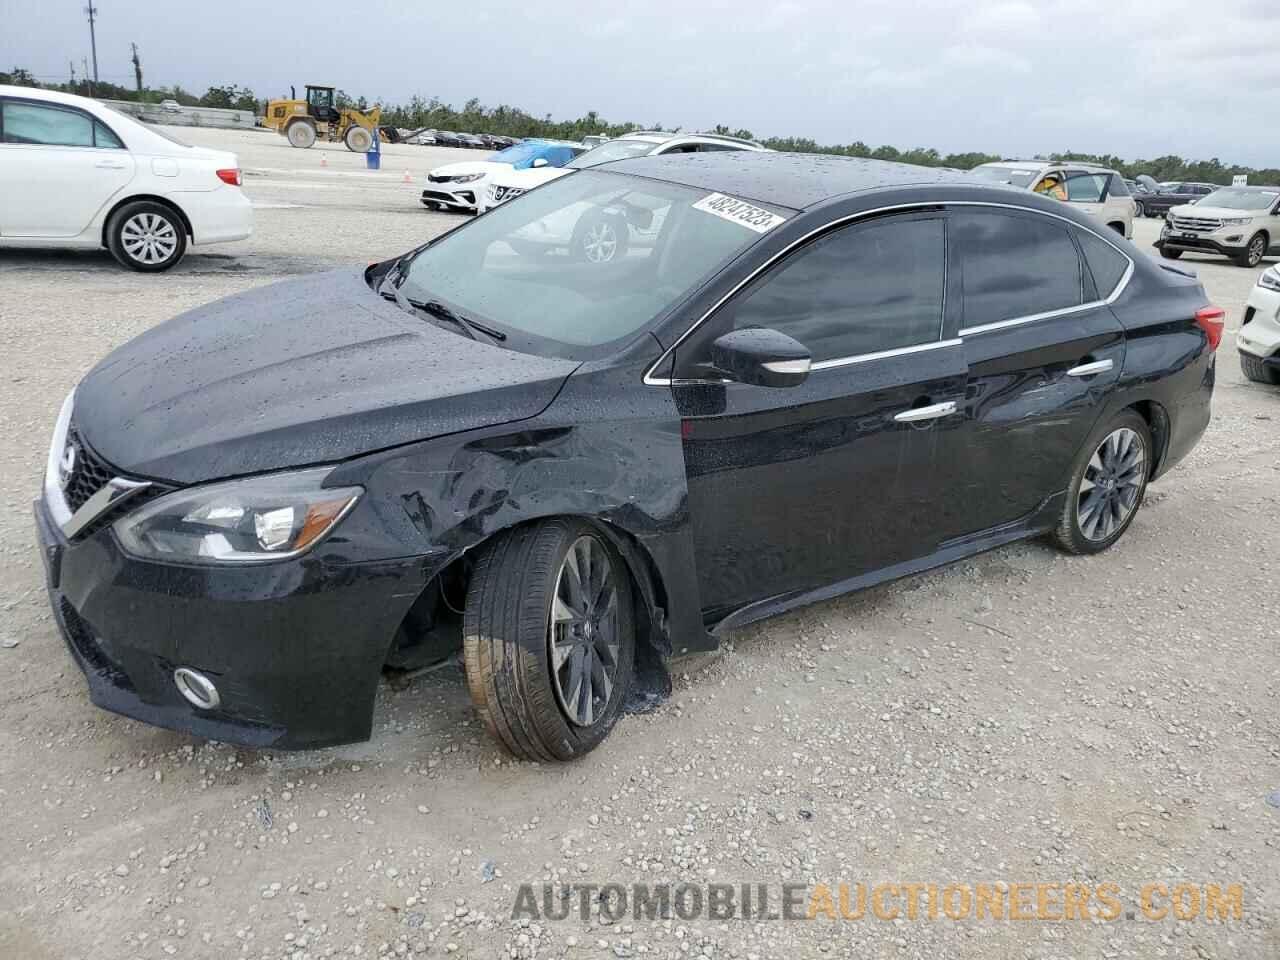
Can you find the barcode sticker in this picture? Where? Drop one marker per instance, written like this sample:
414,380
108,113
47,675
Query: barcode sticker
739,212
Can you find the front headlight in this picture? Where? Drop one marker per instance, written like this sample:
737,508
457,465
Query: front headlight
241,521
468,178
1237,221
1270,279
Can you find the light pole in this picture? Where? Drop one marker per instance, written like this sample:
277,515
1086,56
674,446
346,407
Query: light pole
92,11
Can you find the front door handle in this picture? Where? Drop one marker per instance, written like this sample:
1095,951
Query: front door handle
1091,369
932,412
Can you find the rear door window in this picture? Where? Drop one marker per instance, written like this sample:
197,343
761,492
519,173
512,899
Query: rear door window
38,123
1015,266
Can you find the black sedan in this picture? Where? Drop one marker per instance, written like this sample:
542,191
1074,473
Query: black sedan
792,377
1172,195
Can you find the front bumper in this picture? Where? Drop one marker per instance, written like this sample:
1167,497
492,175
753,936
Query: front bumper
1227,242
295,648
1260,333
462,198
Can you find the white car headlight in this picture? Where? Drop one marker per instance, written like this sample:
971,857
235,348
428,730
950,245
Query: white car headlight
1270,279
1237,221
468,178
240,521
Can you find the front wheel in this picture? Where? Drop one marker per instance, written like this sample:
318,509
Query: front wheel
1107,485
1254,251
1170,254
1254,369
600,239
549,639
1140,211
146,236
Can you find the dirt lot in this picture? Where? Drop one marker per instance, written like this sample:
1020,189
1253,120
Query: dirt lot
1021,717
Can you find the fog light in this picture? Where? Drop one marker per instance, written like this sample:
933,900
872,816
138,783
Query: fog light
197,689
1235,238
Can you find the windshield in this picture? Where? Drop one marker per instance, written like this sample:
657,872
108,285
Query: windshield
613,150
585,260
1233,198
1019,178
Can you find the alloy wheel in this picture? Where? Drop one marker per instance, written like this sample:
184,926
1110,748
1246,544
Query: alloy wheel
1257,247
1112,483
600,243
149,238
583,638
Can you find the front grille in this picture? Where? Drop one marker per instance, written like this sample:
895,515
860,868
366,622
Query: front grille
1194,223
80,635
89,474
431,177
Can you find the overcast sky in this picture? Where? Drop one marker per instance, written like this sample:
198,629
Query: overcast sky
1133,77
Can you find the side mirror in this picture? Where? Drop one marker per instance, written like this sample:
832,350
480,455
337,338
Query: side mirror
540,162
762,357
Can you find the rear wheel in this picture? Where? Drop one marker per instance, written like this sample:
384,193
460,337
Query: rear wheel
358,140
301,133
1107,485
1257,371
146,236
549,639
1254,252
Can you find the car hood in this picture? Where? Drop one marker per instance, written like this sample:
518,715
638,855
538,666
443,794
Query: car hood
530,178
307,371
1215,213
489,167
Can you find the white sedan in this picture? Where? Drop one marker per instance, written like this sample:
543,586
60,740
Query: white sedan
75,173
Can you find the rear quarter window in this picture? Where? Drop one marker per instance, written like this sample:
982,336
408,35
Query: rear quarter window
1105,262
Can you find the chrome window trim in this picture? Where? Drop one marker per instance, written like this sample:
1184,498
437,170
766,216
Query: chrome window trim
884,354
654,381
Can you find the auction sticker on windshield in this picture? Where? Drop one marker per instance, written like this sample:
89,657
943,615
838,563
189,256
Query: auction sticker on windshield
739,211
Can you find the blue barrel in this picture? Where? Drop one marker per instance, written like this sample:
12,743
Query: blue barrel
373,159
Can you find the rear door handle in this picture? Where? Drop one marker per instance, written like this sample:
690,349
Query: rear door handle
1090,369
109,165
933,412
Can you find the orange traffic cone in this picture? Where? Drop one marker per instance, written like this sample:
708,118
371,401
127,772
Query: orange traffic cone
407,178
324,161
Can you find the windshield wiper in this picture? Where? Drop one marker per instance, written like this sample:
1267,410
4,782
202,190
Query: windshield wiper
441,312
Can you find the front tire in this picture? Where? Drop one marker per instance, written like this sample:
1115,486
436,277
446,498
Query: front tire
1108,482
1257,371
146,236
549,639
1141,211
1170,254
358,139
1254,251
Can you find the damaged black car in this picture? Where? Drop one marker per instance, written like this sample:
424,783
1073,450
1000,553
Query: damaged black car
599,427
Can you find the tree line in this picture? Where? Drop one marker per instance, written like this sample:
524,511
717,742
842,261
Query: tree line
474,117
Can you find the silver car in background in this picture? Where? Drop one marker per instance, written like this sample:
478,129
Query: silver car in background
1098,191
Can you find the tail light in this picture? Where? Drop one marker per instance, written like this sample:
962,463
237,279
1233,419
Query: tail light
231,176
1211,320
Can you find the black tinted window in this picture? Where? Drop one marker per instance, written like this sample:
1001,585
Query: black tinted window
861,289
1118,187
1015,266
1106,263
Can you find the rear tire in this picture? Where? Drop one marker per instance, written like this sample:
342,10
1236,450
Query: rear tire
1257,371
301,134
1254,251
358,140
146,236
1115,463
556,589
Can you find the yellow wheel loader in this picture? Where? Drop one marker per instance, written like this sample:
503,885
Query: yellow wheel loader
302,121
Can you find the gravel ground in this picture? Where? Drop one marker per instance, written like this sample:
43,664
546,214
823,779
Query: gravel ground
1023,716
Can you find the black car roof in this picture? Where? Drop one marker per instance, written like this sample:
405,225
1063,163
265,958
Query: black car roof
795,180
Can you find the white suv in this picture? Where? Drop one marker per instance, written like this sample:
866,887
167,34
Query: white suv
1098,191
1242,223
502,187
1259,338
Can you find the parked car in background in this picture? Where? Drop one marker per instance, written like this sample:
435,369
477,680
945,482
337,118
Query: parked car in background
81,175
1259,338
458,186
472,142
447,138
1242,223
508,185
570,472
1174,194
1098,191
425,139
